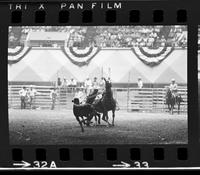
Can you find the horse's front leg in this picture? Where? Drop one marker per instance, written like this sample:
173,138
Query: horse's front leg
178,108
99,118
169,107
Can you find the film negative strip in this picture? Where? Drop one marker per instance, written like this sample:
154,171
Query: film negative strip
99,84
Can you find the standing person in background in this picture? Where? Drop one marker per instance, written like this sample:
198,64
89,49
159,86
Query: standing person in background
102,85
72,84
53,96
95,84
65,83
22,94
88,86
140,83
140,86
32,94
59,83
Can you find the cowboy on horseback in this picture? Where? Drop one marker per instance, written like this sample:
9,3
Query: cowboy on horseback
174,87
173,97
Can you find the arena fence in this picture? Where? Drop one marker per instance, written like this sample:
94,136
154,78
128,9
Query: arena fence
129,99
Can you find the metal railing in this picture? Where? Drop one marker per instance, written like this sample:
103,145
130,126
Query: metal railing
129,99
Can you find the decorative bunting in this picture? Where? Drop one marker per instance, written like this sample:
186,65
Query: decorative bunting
152,57
18,53
80,57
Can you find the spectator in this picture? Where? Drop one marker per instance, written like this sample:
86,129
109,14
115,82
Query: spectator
23,94
95,84
102,85
59,83
53,96
32,93
88,86
104,36
65,83
72,83
140,83
163,41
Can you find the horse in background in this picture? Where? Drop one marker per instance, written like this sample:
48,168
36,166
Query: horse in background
179,99
171,99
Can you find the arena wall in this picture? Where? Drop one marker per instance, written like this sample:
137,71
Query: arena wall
121,64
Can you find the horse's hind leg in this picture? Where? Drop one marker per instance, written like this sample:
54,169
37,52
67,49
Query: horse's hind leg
169,107
178,108
105,117
99,118
113,115
83,120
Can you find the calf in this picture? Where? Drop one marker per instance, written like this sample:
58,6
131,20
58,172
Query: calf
81,111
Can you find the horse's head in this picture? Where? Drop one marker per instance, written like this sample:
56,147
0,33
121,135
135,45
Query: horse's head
179,98
76,101
108,84
168,92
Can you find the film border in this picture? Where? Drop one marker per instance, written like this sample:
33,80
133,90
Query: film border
145,8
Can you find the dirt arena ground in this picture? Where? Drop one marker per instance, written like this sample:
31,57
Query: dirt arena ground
59,127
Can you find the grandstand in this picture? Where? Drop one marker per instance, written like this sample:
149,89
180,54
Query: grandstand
103,36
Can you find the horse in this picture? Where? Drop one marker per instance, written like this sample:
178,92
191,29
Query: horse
179,99
107,103
171,100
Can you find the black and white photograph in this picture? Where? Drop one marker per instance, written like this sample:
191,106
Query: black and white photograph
97,85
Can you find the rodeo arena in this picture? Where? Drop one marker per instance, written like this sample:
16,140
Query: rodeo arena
97,85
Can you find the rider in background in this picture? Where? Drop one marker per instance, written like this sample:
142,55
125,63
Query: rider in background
173,87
